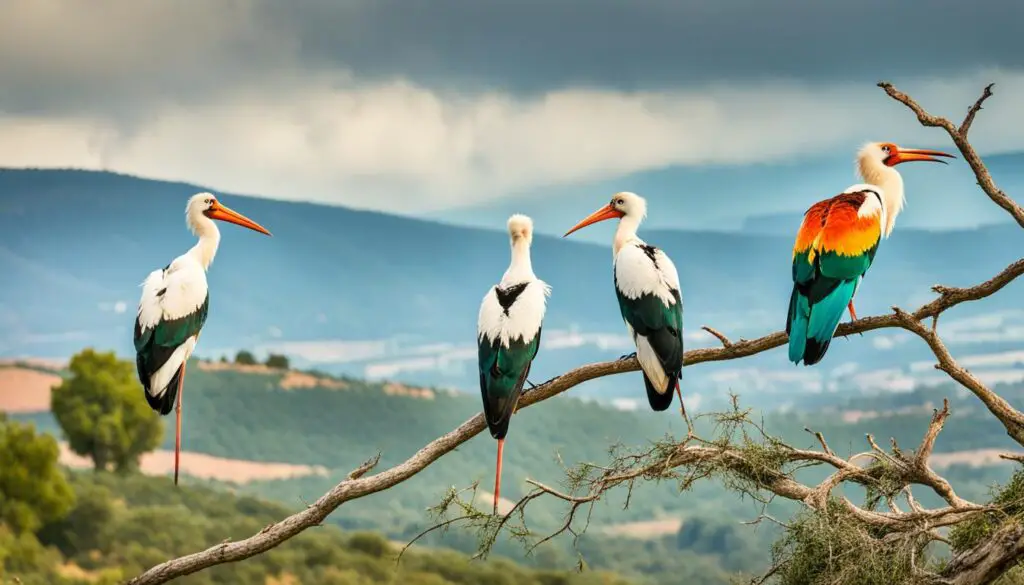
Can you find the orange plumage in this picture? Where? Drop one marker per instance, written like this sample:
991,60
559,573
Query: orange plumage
833,225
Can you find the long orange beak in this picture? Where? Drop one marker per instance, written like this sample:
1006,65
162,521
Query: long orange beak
606,212
219,211
911,154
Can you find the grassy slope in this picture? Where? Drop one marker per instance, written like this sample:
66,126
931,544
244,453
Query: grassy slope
248,416
122,525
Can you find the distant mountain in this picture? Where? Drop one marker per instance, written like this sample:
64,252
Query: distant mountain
938,197
373,294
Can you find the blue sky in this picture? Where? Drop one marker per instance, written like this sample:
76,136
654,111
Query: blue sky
423,107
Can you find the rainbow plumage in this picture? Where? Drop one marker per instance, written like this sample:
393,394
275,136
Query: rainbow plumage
834,248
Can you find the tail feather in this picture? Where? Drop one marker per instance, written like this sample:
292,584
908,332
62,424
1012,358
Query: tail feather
811,328
659,401
796,325
164,403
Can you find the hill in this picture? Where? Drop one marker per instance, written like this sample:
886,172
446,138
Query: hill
122,525
381,296
255,415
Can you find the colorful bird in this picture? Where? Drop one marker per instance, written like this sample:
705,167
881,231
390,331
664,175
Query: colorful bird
836,244
508,336
173,309
647,286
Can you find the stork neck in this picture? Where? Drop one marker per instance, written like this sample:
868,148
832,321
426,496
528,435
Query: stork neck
209,239
520,269
889,179
625,233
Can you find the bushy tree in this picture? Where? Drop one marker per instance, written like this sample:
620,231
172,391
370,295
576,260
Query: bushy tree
245,358
103,413
33,489
277,361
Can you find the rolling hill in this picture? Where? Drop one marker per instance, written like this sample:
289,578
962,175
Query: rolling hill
261,416
383,296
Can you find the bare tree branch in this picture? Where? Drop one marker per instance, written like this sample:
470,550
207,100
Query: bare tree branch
959,136
986,560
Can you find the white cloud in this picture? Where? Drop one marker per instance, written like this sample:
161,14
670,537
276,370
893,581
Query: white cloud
397,146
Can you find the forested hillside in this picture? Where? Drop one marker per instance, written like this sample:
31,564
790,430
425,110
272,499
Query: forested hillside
261,414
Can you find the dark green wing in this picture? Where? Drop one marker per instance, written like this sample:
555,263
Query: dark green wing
155,345
503,371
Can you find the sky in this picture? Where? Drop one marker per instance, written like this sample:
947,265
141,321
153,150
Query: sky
417,106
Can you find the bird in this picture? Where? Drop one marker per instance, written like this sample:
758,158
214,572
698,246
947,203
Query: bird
508,336
647,287
173,307
836,245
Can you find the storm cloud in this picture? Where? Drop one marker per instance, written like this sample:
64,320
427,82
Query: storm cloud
410,104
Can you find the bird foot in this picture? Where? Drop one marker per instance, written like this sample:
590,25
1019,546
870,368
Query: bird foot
628,356
532,386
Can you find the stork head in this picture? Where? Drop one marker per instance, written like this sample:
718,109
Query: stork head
890,154
623,204
520,229
205,205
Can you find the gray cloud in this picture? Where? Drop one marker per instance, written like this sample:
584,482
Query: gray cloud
121,56
533,45
415,105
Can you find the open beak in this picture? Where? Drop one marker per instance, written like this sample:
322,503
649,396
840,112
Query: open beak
219,211
910,154
606,212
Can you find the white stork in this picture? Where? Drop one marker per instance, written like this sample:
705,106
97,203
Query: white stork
173,309
647,287
508,336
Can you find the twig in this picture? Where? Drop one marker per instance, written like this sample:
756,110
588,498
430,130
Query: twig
965,127
725,340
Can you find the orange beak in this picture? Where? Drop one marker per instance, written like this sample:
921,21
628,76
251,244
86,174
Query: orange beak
219,211
606,212
903,155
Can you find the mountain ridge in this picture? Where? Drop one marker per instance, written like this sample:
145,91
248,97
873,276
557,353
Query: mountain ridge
400,294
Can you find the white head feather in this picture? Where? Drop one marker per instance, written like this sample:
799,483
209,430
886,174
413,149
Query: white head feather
520,228
631,204
873,170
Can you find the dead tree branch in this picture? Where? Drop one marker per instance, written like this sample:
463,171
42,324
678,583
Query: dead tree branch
959,136
986,560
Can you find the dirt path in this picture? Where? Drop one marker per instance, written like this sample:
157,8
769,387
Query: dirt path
205,466
24,390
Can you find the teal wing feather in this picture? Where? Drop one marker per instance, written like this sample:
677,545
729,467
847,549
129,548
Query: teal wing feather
503,371
822,289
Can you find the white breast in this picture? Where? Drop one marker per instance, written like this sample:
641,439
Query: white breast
172,294
637,274
524,318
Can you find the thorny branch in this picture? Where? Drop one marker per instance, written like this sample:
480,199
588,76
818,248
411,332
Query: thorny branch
979,565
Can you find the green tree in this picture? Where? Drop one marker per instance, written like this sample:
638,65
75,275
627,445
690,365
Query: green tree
277,361
33,489
245,358
102,411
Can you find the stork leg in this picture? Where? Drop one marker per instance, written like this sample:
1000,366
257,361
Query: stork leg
628,356
177,424
853,314
497,474
682,410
